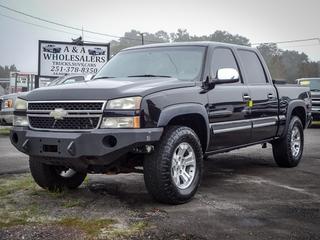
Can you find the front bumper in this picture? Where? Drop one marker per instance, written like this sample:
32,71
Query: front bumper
316,113
80,149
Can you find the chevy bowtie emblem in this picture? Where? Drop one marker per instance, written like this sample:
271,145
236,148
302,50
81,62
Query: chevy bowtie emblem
58,113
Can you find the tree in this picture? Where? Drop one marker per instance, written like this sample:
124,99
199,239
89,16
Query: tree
277,68
273,57
223,36
309,69
162,36
181,36
293,61
5,71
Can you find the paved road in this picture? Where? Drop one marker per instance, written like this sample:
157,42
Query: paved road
243,195
11,160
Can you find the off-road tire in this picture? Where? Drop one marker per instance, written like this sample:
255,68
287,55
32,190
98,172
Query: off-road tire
288,151
166,169
51,177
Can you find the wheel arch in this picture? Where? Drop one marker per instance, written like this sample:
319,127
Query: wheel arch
296,108
193,116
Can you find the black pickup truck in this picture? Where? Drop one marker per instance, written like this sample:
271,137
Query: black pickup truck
159,110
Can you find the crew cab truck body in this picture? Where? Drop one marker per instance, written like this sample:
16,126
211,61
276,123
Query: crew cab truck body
164,107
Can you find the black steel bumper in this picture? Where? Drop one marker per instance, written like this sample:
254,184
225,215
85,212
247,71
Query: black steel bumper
103,146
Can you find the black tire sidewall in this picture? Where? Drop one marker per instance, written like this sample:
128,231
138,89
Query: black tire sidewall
46,176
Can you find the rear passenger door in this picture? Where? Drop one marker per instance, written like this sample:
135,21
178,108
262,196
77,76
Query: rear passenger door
264,101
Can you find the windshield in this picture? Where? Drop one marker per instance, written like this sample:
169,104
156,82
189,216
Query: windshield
55,81
313,84
184,63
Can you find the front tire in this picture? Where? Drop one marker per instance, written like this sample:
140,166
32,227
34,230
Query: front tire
55,177
173,171
288,151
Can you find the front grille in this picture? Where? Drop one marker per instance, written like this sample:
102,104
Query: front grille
73,123
77,115
75,106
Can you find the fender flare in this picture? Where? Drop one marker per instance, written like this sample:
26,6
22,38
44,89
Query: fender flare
173,111
292,105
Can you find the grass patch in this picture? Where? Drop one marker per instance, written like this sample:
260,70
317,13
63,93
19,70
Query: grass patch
8,186
91,227
142,225
72,203
58,192
5,131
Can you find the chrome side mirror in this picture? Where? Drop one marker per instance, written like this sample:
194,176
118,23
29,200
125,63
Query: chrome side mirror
227,74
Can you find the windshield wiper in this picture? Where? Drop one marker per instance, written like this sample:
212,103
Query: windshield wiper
149,75
103,77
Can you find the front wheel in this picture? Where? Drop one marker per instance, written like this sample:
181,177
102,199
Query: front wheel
288,151
55,177
173,172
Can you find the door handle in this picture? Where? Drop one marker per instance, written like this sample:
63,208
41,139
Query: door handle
246,97
270,96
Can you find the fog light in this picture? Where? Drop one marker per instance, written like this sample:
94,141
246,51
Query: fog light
20,121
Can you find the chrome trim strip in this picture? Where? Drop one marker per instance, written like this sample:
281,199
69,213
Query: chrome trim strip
243,124
231,129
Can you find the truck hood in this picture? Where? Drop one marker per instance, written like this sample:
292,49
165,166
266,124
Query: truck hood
104,89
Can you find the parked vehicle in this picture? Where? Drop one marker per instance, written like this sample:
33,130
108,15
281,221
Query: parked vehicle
314,85
7,101
96,51
162,107
6,108
51,48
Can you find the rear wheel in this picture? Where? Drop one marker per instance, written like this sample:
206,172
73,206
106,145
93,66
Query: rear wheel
173,172
55,177
288,151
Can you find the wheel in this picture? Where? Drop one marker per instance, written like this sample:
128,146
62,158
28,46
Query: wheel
173,171
55,177
288,151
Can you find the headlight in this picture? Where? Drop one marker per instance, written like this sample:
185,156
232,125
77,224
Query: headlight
8,103
121,122
124,103
20,104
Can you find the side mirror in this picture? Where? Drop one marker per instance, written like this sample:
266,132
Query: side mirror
225,74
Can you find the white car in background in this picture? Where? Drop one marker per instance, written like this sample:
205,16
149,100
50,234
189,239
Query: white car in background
96,51
7,101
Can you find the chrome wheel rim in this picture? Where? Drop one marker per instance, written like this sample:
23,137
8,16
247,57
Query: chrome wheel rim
295,141
65,172
183,166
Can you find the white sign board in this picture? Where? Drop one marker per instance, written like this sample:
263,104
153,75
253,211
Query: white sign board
22,78
59,58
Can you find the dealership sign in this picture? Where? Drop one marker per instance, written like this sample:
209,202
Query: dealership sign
60,58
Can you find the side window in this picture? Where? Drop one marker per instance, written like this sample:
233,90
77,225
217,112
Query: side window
223,58
253,68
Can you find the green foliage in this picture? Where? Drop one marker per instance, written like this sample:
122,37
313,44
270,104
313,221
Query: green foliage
289,65
91,227
5,131
5,71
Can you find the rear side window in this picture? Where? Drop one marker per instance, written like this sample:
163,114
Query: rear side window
254,70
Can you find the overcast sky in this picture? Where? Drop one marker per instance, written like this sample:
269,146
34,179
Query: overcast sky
259,21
